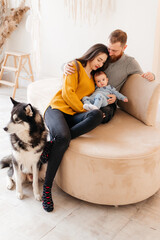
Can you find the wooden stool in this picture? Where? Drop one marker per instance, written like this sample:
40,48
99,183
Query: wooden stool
20,60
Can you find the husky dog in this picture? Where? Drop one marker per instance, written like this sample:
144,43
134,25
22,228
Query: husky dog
28,137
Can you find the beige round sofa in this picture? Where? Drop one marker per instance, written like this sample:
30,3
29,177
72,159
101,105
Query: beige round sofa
117,163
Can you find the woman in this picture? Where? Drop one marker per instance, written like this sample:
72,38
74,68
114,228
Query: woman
65,117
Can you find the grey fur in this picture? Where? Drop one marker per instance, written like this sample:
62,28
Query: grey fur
6,161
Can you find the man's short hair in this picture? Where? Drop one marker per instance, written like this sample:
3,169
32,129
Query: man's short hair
118,36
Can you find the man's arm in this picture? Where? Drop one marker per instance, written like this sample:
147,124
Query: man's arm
68,69
134,67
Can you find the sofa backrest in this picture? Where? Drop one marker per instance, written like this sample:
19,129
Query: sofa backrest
143,98
42,91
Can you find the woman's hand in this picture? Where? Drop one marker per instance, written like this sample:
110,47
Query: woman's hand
68,68
112,98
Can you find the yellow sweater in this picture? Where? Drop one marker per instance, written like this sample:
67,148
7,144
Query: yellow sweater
75,87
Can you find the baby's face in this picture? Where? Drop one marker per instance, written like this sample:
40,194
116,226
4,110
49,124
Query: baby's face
101,80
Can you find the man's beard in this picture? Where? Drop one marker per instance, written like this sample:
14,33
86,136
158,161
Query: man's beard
115,58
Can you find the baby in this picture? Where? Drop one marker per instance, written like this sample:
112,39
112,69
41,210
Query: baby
100,97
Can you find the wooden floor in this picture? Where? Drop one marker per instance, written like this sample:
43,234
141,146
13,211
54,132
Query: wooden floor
71,219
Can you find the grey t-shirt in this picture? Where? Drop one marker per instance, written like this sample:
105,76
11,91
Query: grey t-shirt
118,71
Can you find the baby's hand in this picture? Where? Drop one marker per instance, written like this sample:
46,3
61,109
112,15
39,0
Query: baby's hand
125,100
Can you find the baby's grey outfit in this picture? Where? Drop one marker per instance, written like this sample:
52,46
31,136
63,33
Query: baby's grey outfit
100,96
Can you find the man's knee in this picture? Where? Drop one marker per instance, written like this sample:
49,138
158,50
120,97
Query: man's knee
96,115
109,112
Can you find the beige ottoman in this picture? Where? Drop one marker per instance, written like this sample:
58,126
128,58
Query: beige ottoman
119,162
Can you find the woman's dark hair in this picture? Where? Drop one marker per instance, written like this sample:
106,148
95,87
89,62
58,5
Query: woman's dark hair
93,52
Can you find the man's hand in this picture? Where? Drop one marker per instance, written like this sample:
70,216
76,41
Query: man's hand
68,69
112,98
104,115
148,75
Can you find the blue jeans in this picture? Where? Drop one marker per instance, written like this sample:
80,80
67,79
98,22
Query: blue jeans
62,128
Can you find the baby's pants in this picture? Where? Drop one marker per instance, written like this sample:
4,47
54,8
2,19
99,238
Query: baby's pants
98,100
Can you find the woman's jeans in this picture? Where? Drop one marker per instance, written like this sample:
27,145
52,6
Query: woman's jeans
62,128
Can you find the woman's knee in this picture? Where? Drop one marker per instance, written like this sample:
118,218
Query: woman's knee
63,139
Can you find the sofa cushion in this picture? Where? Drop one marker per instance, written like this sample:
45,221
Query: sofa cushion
143,98
123,137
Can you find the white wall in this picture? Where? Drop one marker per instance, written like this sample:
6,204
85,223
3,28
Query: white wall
61,39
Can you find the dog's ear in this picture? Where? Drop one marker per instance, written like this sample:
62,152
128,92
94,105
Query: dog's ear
14,101
28,110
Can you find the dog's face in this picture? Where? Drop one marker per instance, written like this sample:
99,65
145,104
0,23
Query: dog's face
26,123
21,115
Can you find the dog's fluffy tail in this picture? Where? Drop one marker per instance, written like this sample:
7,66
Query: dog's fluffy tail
6,161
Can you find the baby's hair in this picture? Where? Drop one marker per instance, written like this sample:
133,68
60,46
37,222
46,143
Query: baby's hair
98,73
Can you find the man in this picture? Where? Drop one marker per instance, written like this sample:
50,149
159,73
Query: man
119,68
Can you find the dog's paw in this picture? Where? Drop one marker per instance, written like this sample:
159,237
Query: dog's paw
10,184
19,195
38,197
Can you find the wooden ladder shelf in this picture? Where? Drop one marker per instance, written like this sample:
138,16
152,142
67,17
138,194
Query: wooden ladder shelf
20,61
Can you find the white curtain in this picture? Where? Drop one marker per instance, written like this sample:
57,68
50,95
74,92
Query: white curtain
33,26
88,10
